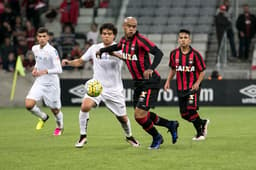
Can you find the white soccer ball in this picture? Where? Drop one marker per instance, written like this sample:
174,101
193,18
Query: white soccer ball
93,87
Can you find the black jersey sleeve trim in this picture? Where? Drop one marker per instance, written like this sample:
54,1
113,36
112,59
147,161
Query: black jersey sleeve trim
158,54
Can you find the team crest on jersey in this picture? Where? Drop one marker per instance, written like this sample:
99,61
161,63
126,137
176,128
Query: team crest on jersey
177,60
190,62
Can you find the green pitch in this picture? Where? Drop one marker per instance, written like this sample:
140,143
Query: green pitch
230,144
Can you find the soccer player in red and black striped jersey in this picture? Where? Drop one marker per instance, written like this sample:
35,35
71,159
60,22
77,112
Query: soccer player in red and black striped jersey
188,66
135,53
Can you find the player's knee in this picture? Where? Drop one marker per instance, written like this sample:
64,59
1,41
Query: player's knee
55,111
185,115
29,104
85,108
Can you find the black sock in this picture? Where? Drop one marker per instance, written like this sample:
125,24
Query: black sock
147,125
158,120
198,125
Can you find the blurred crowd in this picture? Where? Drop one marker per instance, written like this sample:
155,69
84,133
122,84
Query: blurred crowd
20,19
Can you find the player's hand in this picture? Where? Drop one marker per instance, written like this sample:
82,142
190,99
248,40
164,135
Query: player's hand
167,85
147,74
195,86
98,54
34,72
65,62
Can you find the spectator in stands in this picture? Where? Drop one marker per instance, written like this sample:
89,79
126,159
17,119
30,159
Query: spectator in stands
93,33
246,26
104,3
224,25
215,76
19,31
67,41
30,34
69,10
89,3
11,62
29,61
8,16
21,47
5,50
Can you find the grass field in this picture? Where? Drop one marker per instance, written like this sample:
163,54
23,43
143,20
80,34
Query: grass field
230,145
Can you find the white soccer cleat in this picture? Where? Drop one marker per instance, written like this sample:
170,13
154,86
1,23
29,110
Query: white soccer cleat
80,143
205,127
198,138
132,141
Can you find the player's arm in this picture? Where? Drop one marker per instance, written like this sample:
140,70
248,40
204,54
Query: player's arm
171,74
196,85
57,69
108,49
74,63
158,55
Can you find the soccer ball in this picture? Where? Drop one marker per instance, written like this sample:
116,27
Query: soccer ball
93,87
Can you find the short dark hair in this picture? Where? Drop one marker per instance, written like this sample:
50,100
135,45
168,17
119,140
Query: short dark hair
108,26
42,30
184,31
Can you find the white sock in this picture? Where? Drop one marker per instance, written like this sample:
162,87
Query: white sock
83,122
59,120
36,111
127,128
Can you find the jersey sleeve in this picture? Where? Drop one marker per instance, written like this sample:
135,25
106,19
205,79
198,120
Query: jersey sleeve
172,59
56,62
88,54
146,44
200,64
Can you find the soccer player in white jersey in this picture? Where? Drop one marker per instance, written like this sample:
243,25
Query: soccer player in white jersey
47,84
108,71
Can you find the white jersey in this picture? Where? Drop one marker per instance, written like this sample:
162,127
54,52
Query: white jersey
47,58
107,69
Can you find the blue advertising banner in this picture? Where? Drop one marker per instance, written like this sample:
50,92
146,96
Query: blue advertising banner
213,93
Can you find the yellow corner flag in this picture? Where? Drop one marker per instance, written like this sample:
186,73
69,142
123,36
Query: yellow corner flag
18,69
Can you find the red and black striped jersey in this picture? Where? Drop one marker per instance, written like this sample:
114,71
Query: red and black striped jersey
135,53
188,67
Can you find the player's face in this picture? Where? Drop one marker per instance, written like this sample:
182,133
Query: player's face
184,39
42,38
107,36
130,27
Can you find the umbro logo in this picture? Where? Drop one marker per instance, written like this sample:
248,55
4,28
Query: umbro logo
249,91
78,90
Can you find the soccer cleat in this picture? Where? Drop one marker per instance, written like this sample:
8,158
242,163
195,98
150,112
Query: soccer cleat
80,143
131,140
198,138
205,126
173,129
157,141
58,132
41,123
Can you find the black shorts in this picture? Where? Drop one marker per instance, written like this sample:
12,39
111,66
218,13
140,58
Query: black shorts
145,98
189,102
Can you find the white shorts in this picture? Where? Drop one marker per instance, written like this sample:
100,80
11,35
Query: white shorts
50,93
115,102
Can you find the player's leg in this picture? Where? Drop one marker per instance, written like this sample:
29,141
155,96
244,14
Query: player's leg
87,104
171,125
142,107
188,109
34,95
59,122
52,99
116,104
